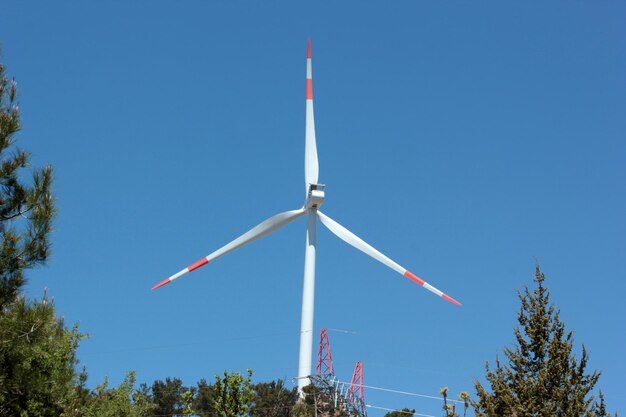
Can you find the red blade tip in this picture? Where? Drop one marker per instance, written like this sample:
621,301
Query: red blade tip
414,277
452,300
308,48
162,283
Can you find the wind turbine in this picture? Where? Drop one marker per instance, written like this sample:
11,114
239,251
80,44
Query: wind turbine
314,197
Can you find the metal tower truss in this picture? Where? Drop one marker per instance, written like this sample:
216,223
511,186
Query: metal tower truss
330,393
324,364
356,393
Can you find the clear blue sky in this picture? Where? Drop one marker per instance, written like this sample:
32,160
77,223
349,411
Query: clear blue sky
465,140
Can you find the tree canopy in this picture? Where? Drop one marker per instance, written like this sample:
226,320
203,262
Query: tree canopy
273,399
542,376
37,359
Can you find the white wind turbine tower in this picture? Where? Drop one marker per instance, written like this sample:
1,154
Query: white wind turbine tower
314,199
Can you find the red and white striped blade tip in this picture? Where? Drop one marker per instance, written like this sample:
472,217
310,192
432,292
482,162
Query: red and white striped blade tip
452,300
410,275
162,283
308,48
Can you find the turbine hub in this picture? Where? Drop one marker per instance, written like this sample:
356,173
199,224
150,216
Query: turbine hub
315,197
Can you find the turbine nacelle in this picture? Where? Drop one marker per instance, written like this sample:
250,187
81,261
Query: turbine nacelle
315,196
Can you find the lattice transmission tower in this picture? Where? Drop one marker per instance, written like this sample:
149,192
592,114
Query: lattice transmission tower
331,394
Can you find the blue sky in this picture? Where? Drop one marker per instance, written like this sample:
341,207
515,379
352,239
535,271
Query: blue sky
465,140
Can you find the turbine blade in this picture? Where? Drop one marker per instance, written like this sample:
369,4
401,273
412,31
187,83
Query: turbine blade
311,166
264,228
363,246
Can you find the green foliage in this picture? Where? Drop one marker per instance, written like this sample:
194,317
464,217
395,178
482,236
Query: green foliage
204,399
263,399
306,407
234,394
542,376
26,210
168,396
272,399
405,412
37,360
187,403
599,408
123,401
302,409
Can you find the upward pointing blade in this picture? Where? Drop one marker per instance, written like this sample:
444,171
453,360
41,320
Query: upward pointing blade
361,245
311,166
264,228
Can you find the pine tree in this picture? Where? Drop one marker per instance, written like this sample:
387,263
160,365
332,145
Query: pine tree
542,376
26,210
204,399
273,399
37,351
168,396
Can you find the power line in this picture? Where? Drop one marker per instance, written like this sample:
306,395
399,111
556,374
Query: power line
205,342
414,394
342,331
432,397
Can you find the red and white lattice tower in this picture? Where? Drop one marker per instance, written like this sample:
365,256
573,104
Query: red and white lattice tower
356,392
324,364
